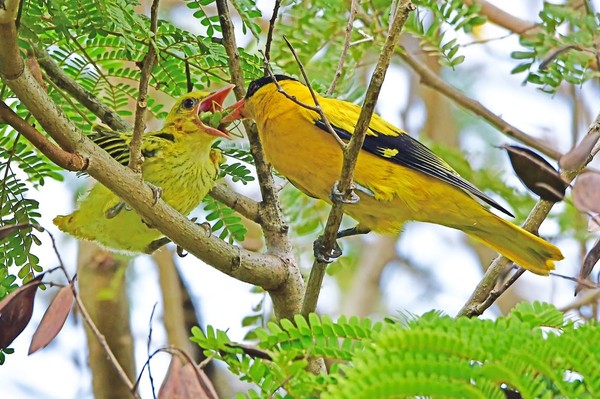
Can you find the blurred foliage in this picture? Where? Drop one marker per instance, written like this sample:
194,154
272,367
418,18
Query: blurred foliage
431,22
534,352
563,47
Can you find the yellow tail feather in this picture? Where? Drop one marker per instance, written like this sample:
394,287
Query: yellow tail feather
518,245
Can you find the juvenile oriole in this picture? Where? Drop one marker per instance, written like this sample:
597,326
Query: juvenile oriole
178,160
398,179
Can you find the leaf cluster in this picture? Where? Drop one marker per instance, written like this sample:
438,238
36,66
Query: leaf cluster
431,22
551,56
533,352
21,166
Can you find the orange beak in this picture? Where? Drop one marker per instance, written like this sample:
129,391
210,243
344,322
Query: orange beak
237,112
213,103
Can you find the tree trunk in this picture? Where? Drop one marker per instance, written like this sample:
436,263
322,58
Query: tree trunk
103,291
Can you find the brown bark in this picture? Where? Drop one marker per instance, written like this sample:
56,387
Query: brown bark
172,296
102,289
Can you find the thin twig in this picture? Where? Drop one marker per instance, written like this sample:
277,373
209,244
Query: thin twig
135,146
495,293
90,323
317,107
270,33
589,298
197,368
148,349
340,66
351,155
431,79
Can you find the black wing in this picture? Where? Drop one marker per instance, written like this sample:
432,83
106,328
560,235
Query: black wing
406,151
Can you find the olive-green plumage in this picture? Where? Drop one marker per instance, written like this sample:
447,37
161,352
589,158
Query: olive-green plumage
178,159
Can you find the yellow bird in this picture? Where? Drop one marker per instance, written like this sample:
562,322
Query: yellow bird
398,179
178,161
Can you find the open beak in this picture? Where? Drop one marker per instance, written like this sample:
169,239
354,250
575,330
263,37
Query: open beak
214,103
237,112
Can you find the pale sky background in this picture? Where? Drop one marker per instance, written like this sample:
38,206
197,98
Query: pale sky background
60,371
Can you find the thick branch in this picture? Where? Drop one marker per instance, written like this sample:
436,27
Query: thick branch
266,271
245,206
64,159
351,153
287,298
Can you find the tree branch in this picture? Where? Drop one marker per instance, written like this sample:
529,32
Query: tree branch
245,206
503,19
267,271
221,192
351,154
270,32
348,34
429,78
288,295
479,302
84,97
64,159
139,125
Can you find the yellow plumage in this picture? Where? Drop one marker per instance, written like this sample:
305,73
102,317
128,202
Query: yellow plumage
178,159
398,179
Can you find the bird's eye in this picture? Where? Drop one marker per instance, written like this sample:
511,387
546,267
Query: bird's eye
189,103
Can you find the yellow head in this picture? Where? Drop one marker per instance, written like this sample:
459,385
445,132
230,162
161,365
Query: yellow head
185,114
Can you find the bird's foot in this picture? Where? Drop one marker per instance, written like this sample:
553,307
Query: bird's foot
324,256
115,210
343,198
206,226
156,244
156,192
181,252
353,231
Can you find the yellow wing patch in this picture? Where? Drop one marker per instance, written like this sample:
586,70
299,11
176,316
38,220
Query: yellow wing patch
387,152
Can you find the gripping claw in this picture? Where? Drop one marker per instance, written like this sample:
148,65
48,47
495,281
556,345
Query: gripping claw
324,256
343,198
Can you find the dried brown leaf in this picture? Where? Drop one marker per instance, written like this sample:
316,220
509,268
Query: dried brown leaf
186,382
594,223
586,192
171,387
536,173
589,262
196,384
579,154
53,320
16,310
